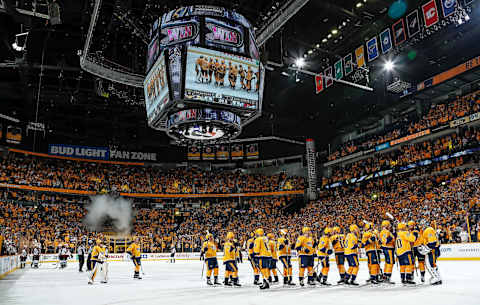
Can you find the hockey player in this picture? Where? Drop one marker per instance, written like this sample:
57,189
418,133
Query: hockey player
284,253
81,257
351,254
63,255
304,246
324,250
338,243
404,252
272,246
388,246
238,251
23,257
209,252
99,262
256,270
89,256
135,254
369,241
173,251
431,246
412,226
229,260
36,255
263,256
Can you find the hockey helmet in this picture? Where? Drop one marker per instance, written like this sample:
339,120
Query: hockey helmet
230,235
385,223
354,228
401,226
327,231
259,232
336,230
270,236
411,224
368,226
305,230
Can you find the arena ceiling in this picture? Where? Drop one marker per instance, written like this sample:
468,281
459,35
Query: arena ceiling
75,107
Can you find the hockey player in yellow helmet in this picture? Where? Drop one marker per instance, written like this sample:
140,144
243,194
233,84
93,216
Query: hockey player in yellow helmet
351,254
338,244
369,242
229,260
431,248
99,262
416,255
135,254
262,256
404,252
272,245
284,253
324,250
209,253
387,241
256,271
305,249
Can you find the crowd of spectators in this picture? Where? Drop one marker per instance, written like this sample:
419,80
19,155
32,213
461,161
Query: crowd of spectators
438,115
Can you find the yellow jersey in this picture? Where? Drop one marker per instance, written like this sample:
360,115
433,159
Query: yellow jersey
250,244
261,248
369,241
323,246
272,245
283,247
387,239
99,254
134,250
430,238
209,249
304,246
229,252
404,238
418,238
338,243
351,244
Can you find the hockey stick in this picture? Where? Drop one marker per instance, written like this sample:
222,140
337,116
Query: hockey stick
203,268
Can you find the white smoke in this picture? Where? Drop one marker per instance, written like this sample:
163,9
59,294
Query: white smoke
103,207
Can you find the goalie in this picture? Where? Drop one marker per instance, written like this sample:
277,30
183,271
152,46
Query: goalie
134,251
99,262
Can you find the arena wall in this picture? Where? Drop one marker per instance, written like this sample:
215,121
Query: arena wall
8,264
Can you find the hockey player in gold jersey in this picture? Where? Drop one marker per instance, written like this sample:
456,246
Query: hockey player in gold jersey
284,253
323,251
351,254
388,246
431,248
262,256
256,270
305,249
404,252
134,251
369,242
209,253
272,245
99,261
230,261
338,244
412,227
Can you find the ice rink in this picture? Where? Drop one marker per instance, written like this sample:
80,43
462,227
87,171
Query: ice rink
180,283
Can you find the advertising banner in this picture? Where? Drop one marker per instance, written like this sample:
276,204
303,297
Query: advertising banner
328,80
252,151
318,83
347,62
460,121
237,151
382,146
132,155
339,69
372,49
360,56
410,137
82,152
399,32
386,41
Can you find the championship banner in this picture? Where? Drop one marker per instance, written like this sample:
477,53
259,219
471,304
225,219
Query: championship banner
75,151
208,153
237,151
339,69
360,56
318,83
430,13
347,62
413,23
399,32
193,153
252,151
448,7
223,152
386,41
372,49
14,135
328,79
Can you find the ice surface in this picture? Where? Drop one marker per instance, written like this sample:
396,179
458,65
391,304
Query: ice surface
180,283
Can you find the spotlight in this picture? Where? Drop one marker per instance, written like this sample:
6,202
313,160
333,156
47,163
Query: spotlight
317,46
324,40
334,31
329,36
467,18
389,65
310,51
300,62
344,23
359,5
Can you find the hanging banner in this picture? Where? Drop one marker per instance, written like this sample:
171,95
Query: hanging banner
413,24
347,62
328,79
372,49
430,13
252,151
318,83
386,41
448,7
399,32
223,152
360,56
14,135
208,153
193,153
339,69
237,151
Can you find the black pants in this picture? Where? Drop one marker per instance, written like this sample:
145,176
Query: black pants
89,262
81,261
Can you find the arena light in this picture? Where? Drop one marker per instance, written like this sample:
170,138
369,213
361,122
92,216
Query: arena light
300,62
324,40
334,31
359,5
389,65
329,36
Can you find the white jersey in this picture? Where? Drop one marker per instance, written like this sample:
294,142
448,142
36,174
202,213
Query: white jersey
24,253
64,251
36,251
173,250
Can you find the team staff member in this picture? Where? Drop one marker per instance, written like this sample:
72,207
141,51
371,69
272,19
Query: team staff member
338,244
284,253
263,256
81,257
404,252
305,249
388,246
134,251
351,254
209,253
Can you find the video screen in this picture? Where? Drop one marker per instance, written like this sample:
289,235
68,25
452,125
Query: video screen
153,50
221,78
156,90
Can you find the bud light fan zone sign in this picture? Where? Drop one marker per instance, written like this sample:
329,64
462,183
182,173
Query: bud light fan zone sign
81,152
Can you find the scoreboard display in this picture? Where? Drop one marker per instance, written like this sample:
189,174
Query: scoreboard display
202,56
